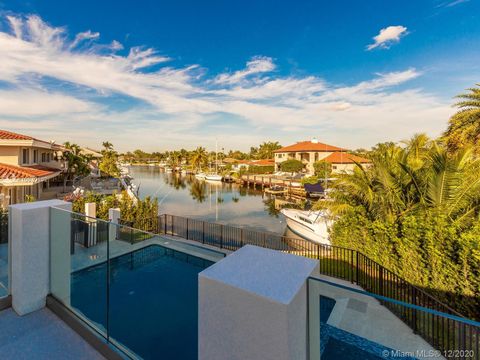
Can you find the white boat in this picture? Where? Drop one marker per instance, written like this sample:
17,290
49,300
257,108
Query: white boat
168,170
213,177
200,176
311,225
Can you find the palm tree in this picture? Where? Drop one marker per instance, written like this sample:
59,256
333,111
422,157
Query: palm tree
464,125
199,158
266,149
77,164
423,176
108,146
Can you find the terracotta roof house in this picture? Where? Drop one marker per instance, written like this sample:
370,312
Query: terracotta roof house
27,165
309,152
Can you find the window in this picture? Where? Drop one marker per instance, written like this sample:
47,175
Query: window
48,157
35,156
316,156
334,167
44,157
25,156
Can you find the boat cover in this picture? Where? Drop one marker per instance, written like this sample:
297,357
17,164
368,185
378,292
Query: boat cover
314,188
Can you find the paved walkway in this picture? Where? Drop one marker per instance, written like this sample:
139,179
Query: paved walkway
41,336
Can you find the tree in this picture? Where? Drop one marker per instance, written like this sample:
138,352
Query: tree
199,158
77,164
464,125
416,211
291,166
108,164
322,169
266,150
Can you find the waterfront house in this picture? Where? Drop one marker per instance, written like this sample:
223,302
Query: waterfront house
27,166
309,152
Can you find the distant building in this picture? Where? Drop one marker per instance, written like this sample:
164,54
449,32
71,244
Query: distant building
309,152
27,165
245,164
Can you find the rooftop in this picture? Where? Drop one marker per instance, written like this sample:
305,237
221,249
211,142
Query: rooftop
25,172
310,145
345,158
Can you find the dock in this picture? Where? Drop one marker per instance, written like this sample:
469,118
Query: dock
291,187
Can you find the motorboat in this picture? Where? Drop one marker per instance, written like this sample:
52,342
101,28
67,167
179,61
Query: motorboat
213,177
311,225
168,170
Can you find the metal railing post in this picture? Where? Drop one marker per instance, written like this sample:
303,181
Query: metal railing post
203,232
221,236
356,267
187,229
165,224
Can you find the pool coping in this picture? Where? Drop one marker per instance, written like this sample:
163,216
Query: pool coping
137,250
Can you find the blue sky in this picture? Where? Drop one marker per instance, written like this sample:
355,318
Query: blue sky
159,75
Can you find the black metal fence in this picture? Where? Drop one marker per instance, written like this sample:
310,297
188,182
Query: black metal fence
3,226
87,232
342,263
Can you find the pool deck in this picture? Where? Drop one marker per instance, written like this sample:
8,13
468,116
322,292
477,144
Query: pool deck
41,335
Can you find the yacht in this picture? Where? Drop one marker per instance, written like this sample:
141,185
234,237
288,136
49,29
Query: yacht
311,225
213,177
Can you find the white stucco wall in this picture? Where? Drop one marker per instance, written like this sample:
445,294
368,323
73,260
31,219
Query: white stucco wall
29,246
253,305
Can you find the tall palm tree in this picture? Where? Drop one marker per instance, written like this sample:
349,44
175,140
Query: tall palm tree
199,158
464,125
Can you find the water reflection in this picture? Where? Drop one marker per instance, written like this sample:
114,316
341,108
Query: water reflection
211,201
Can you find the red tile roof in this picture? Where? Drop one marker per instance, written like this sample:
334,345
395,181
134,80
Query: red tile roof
308,146
8,135
25,172
345,158
263,162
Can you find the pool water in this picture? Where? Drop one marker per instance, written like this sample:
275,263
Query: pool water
339,344
153,301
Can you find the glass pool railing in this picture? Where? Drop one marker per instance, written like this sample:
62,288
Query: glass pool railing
349,323
135,289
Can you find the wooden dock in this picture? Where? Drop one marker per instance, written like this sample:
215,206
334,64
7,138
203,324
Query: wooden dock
267,181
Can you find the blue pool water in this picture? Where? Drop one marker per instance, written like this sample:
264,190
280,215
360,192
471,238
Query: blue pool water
153,306
338,344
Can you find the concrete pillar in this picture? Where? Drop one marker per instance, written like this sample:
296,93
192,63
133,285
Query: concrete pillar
253,305
114,218
29,245
91,215
91,210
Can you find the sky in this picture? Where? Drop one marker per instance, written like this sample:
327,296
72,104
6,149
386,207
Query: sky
161,75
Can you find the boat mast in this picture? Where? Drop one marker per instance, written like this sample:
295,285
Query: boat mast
216,156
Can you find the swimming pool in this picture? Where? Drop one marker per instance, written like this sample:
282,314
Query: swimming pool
153,301
340,344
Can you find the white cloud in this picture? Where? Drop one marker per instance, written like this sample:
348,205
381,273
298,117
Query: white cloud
83,36
40,103
387,36
54,80
257,65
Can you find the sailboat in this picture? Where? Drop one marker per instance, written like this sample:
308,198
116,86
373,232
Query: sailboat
215,176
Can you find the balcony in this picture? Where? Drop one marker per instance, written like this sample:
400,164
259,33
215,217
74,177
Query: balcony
187,289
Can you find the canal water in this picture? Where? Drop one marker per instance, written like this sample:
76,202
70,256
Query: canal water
228,204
